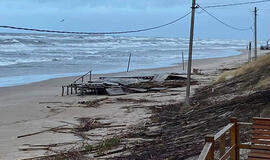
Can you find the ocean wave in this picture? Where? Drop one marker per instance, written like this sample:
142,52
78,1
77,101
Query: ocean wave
64,53
14,61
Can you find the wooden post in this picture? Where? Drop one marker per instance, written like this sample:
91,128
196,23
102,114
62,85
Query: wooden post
81,90
76,90
249,52
190,52
128,62
67,90
63,90
255,32
71,89
234,140
211,139
222,143
183,61
90,76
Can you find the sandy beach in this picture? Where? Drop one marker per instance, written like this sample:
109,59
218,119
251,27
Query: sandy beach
38,106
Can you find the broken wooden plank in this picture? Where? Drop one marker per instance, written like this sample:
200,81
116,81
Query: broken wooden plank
33,148
115,91
137,90
158,89
35,133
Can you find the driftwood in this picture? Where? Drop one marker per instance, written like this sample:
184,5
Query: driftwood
119,150
33,148
93,103
182,129
35,133
63,155
49,102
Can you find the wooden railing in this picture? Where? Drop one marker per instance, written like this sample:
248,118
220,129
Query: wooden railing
82,77
208,152
74,85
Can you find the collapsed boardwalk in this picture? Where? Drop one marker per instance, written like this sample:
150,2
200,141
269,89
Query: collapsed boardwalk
114,86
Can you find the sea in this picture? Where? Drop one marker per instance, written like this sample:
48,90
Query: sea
27,58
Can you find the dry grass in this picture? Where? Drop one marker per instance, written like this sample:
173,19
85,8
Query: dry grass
263,82
262,65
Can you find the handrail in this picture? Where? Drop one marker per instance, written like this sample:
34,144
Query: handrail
205,151
208,150
207,147
223,131
228,153
235,145
81,77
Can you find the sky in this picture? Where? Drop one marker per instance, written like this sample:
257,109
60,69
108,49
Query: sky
119,15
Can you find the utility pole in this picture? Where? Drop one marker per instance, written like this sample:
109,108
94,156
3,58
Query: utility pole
255,32
190,52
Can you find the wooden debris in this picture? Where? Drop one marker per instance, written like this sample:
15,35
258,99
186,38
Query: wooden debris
94,103
120,99
35,133
137,90
157,89
121,85
33,148
110,152
185,127
49,102
115,91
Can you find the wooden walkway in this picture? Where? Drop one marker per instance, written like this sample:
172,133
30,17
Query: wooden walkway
260,144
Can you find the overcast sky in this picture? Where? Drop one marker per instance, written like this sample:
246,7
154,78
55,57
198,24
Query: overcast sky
117,15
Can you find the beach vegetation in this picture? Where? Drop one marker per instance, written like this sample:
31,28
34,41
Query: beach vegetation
259,68
108,144
88,147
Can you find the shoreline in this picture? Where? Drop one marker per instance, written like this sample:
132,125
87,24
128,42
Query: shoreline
174,65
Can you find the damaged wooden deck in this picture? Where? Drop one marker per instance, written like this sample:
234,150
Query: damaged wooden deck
123,85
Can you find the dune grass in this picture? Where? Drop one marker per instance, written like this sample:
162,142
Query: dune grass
261,67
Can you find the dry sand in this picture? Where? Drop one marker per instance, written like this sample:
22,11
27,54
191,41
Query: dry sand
26,109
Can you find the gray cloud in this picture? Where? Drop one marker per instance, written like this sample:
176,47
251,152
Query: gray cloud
108,15
74,4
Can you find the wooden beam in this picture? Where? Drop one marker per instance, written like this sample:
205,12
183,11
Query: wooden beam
233,139
63,90
244,146
222,143
223,131
210,139
205,151
228,153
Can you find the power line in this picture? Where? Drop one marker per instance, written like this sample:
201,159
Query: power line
95,33
236,4
222,22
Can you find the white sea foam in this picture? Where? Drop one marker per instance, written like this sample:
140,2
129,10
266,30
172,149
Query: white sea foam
58,54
